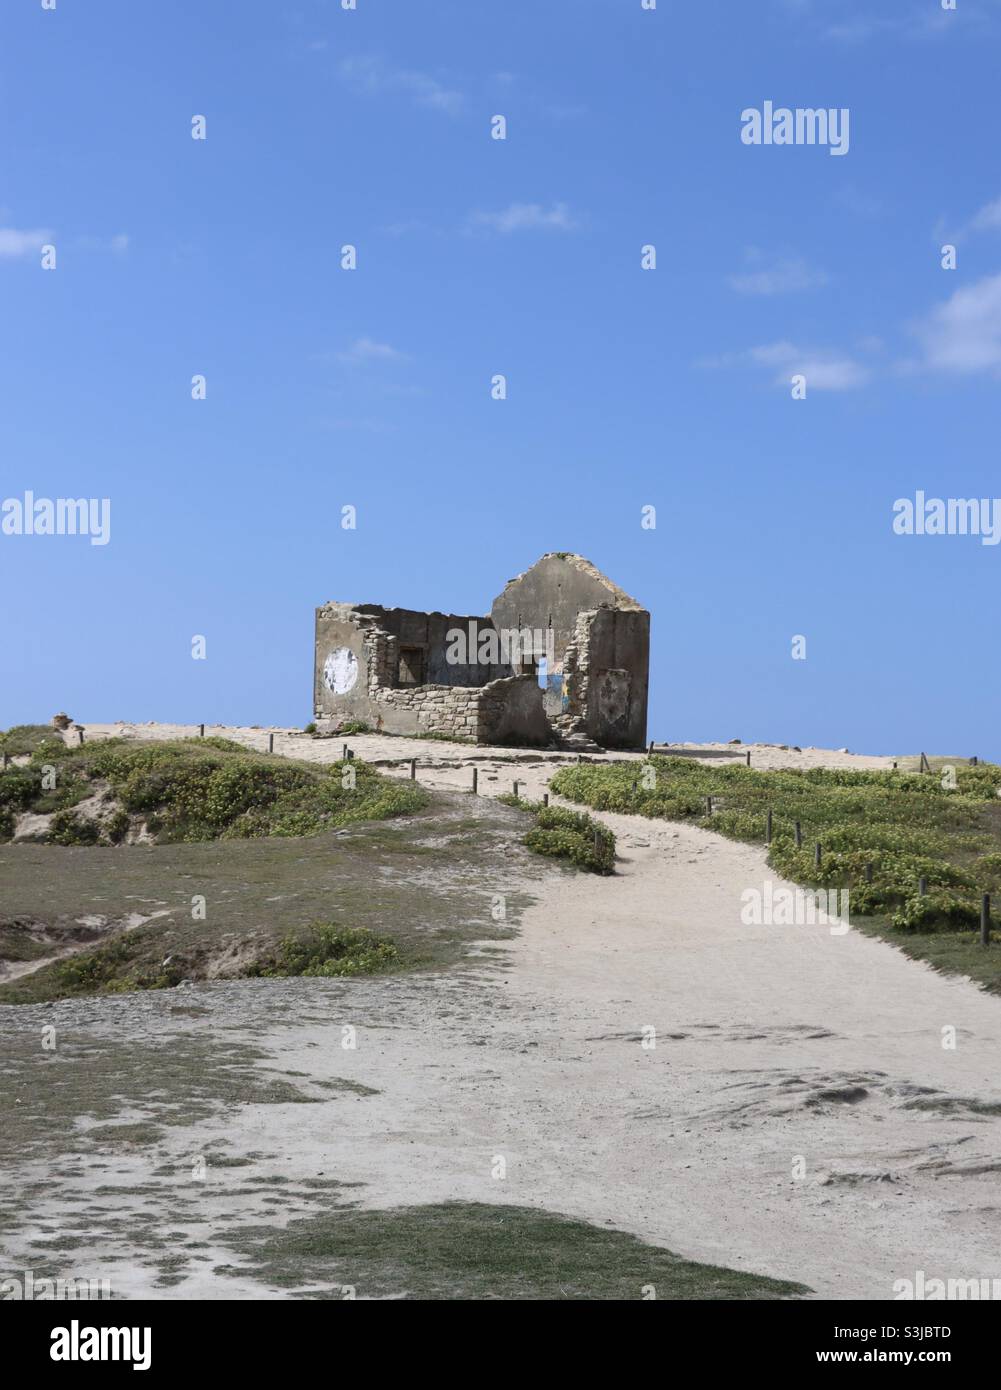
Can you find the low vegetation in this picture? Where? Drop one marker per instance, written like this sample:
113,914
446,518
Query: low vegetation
126,962
883,835
571,835
328,951
24,738
422,884
188,790
471,1250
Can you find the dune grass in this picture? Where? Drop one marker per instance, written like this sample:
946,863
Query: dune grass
572,836
193,789
881,834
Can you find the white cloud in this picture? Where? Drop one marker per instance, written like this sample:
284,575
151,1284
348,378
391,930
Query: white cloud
964,333
15,243
368,350
926,20
784,276
988,218
372,76
519,217
824,369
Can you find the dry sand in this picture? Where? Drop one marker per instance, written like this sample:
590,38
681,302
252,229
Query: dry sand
767,1130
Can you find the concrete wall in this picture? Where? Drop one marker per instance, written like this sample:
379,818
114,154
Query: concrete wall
619,658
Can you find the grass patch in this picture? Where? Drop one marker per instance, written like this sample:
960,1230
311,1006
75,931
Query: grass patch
943,827
569,835
470,1250
425,883
194,789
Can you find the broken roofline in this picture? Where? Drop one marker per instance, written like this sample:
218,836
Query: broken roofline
618,598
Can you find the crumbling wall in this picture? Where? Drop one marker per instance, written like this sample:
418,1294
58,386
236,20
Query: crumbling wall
599,637
357,662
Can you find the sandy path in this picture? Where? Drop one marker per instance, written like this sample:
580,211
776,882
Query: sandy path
767,1130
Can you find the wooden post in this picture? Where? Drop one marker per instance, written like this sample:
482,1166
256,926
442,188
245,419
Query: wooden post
476,776
709,805
545,798
201,730
868,873
413,769
894,767
344,752
798,829
271,743
80,731
515,785
922,886
768,828
747,755
818,851
985,920
925,765
649,752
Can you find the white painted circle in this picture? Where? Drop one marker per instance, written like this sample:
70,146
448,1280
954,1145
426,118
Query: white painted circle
340,670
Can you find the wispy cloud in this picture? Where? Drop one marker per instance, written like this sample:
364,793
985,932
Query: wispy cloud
15,244
988,218
364,350
963,334
373,76
841,22
119,243
824,369
786,275
520,217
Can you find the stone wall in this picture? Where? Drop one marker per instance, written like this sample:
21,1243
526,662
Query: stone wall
355,680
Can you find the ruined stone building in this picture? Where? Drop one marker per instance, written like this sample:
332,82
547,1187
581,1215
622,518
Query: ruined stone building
562,660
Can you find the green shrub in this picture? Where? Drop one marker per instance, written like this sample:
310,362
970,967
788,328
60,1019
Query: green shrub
328,951
564,834
115,968
25,738
935,911
67,828
203,789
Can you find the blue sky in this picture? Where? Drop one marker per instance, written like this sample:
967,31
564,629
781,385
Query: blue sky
626,388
